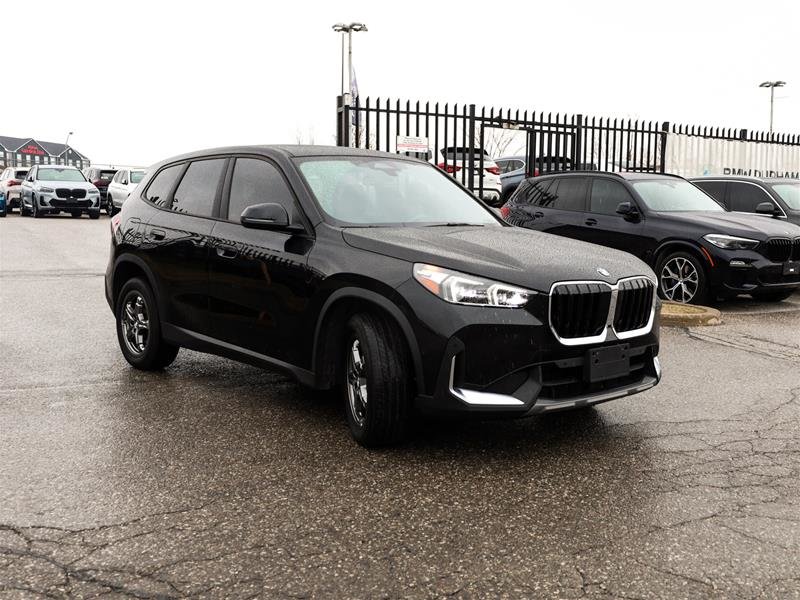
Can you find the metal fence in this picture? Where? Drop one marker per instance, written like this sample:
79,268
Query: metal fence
549,142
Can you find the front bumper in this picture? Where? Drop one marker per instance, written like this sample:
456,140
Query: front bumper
51,203
748,271
507,362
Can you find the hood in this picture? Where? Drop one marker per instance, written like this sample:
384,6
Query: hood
734,223
522,257
73,185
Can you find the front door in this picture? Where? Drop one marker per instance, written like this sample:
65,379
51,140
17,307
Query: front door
259,288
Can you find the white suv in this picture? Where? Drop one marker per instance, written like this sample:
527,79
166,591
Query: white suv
454,160
11,185
124,182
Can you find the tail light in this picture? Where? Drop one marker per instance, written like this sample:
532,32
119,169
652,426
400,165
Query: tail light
505,211
14,182
449,168
535,173
493,170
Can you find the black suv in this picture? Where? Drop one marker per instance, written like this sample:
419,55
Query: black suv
779,198
377,273
699,251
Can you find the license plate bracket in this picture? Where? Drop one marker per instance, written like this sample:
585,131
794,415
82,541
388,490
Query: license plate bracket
606,363
791,268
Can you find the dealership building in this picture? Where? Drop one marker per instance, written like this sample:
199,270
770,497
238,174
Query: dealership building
26,152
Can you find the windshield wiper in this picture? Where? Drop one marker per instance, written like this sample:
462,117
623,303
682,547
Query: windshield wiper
456,225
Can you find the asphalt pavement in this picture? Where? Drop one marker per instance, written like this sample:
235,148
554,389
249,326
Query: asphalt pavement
215,479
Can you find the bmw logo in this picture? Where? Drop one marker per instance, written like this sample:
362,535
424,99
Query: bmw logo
603,272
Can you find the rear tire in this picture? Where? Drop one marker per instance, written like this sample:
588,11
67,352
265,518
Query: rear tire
139,328
772,296
378,386
683,279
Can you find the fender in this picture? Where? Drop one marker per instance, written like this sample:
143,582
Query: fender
677,243
133,259
388,306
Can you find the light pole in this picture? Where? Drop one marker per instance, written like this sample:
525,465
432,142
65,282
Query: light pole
772,85
348,29
66,147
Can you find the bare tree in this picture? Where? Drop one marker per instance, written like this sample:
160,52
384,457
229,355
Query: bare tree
502,142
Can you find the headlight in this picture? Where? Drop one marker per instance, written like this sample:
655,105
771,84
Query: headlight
46,190
94,191
730,242
459,288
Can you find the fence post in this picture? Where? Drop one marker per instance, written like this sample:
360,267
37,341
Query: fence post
578,145
662,162
743,134
471,151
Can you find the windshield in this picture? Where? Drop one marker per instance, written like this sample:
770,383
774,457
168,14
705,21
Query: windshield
790,192
673,195
380,191
56,174
137,176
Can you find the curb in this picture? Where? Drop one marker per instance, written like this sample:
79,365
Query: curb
674,314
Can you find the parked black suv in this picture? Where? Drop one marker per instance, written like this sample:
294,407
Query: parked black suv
779,198
698,250
380,273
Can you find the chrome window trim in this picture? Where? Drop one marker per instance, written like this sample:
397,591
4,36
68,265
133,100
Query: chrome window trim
612,309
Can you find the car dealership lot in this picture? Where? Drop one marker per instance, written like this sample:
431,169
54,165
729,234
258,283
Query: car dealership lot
220,479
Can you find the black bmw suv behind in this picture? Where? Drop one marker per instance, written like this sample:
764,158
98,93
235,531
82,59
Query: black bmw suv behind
379,274
699,251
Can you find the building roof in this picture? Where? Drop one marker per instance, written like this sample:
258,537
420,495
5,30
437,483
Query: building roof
12,144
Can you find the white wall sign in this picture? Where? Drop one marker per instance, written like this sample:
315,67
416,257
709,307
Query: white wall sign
408,143
694,156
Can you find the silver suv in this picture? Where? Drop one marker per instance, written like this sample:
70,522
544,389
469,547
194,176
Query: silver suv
51,189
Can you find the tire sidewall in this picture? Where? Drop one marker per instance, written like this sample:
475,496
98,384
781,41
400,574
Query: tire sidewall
703,294
147,358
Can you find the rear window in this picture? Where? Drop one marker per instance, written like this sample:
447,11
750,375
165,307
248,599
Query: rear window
106,175
21,174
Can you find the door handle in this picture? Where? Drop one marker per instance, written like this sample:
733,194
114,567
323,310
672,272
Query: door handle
227,251
538,214
591,221
157,234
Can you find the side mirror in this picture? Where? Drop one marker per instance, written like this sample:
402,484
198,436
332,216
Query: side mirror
265,216
766,208
628,210
124,182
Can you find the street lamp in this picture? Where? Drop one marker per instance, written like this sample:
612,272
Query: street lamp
66,147
349,30
772,85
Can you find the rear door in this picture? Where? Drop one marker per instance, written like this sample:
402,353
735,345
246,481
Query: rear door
715,189
602,225
176,238
258,278
563,206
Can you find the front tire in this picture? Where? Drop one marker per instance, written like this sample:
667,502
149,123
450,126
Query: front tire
94,214
75,214
37,214
23,212
773,296
682,278
378,386
139,328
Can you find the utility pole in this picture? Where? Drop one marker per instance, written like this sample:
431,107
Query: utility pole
772,85
66,147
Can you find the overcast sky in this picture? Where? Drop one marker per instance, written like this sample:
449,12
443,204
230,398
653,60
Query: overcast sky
140,81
